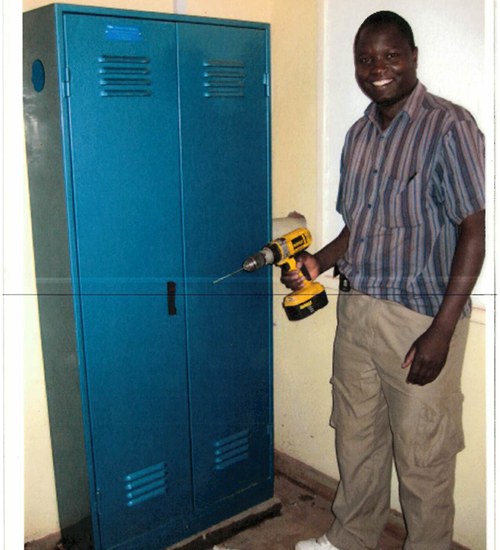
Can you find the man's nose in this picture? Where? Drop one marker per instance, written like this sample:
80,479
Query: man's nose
379,66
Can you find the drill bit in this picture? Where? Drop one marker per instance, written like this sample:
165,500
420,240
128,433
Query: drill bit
226,276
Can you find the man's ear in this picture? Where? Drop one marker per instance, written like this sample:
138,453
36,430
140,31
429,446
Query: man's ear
415,56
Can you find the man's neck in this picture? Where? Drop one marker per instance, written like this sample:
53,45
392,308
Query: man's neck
387,113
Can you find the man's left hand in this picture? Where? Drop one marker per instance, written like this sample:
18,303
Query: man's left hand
427,357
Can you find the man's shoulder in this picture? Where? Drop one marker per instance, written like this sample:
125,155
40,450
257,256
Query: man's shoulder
451,112
357,127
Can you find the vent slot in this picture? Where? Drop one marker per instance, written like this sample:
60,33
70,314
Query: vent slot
125,93
145,484
231,450
122,59
124,76
224,78
125,70
125,82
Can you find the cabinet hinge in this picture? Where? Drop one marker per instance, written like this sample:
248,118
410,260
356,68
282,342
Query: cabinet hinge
98,501
267,84
66,82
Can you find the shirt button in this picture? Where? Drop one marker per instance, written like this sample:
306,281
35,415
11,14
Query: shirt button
368,205
375,171
357,270
382,137
361,240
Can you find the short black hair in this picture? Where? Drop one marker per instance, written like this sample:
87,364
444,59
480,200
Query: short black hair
382,18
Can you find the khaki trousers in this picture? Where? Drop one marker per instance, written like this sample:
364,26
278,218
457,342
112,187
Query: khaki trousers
378,416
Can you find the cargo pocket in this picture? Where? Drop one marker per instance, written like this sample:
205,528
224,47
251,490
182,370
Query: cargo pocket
440,434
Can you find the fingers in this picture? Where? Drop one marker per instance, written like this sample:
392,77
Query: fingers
294,280
422,375
409,358
422,371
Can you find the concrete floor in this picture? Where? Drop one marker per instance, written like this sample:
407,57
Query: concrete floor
304,515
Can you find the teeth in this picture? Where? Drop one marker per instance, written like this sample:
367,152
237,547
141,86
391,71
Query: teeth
382,82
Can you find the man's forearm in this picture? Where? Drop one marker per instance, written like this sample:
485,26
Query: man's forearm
328,256
465,269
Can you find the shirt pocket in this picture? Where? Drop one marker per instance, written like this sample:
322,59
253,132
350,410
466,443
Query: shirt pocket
401,201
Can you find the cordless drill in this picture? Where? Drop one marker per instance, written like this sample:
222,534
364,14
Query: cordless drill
281,252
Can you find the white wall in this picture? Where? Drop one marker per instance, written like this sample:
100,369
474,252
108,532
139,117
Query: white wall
450,35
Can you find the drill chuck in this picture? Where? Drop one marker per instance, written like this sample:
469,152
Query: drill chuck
258,260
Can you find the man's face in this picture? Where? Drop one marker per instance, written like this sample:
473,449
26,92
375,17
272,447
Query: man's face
386,67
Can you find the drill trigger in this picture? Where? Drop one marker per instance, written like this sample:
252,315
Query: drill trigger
305,272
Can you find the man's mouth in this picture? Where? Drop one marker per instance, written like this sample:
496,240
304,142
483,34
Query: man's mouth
381,83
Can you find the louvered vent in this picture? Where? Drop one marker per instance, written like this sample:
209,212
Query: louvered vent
230,450
224,78
146,484
124,76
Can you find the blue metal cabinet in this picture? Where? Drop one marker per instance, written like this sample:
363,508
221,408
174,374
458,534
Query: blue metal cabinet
148,155
224,145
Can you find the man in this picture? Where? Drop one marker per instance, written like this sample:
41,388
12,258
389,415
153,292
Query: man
412,198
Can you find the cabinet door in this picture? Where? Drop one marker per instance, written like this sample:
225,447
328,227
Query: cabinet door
225,186
123,118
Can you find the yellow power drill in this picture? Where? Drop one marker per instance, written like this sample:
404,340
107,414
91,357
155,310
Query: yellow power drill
300,303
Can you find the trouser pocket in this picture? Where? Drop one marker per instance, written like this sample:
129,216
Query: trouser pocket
440,434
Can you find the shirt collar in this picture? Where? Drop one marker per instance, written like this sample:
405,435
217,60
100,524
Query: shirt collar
411,107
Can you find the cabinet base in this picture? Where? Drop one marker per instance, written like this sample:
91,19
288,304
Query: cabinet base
228,528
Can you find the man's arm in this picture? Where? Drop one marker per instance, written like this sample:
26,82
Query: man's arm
323,260
428,353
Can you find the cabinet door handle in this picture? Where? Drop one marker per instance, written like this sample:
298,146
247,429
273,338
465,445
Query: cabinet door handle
171,290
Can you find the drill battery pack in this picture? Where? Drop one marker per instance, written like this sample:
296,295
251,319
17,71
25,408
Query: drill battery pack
302,303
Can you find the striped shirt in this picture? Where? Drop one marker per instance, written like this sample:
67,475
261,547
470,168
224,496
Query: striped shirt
403,192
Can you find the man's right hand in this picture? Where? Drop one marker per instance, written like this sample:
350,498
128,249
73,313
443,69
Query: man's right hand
294,280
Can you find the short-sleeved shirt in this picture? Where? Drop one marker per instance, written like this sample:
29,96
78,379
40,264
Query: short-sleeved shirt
403,193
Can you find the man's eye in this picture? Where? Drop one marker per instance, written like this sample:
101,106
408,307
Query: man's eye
364,60
392,55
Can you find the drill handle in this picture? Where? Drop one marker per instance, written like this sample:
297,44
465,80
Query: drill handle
290,264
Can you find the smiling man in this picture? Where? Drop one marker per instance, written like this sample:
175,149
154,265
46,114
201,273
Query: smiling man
412,198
